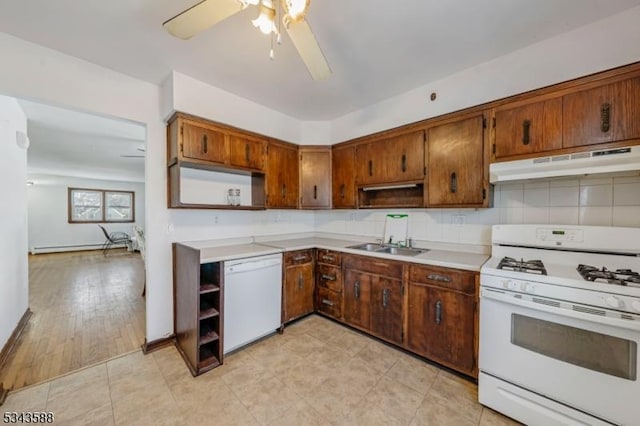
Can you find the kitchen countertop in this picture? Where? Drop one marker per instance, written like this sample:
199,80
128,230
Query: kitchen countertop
214,251
436,257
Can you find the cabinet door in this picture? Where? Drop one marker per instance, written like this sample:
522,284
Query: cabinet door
528,129
396,159
246,152
203,143
456,171
603,114
343,179
357,298
315,178
441,326
386,308
298,291
282,176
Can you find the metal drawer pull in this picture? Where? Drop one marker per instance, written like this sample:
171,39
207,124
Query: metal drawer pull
328,258
327,302
299,258
454,183
438,277
315,192
404,163
370,167
605,117
328,277
385,297
438,312
300,281
526,132
204,143
356,289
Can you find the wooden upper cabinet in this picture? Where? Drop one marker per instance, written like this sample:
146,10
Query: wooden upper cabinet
527,129
315,178
247,152
396,159
201,142
282,176
456,173
343,179
602,114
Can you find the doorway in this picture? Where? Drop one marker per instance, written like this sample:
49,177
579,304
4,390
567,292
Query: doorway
87,305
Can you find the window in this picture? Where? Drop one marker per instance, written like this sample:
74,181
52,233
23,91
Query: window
98,205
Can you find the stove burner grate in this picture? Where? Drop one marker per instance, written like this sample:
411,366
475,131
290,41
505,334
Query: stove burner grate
528,266
625,277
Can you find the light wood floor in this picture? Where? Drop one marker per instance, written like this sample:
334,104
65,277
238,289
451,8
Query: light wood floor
87,308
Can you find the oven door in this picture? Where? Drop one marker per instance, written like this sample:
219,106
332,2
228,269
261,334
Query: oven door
588,361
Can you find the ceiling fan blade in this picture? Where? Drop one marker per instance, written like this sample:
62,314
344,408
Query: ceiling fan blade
200,17
308,48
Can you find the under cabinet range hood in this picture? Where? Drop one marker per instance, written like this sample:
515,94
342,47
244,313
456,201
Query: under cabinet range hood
579,163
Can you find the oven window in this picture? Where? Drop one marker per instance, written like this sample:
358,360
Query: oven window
584,348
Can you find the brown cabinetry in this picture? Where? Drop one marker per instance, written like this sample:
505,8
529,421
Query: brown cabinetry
202,142
315,178
298,284
456,166
282,175
247,152
329,283
373,298
392,160
442,317
529,128
198,318
343,180
607,113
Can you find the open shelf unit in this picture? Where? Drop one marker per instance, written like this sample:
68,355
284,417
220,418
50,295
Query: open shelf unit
199,309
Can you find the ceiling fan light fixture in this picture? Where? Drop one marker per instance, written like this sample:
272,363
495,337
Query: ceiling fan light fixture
295,10
266,20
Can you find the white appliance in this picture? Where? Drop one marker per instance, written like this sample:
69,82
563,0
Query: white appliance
252,299
560,325
578,163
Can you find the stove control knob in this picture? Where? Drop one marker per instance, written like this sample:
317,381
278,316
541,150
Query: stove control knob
505,283
614,302
636,305
529,288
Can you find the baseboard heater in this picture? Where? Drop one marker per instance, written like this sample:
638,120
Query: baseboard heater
76,247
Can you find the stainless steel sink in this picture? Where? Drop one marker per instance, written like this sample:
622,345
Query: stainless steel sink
367,247
403,251
378,248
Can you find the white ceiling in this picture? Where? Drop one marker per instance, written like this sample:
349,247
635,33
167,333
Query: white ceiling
376,48
73,143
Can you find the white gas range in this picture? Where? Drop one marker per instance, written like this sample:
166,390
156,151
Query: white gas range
560,324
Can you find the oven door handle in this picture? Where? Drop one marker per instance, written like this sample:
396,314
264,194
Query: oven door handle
501,296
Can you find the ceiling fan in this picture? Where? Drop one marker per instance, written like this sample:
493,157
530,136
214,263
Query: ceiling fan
134,156
209,12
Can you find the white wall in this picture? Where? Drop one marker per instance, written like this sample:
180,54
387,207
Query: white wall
593,200
605,44
49,230
14,284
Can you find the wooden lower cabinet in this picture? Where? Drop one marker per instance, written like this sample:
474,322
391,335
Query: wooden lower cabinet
298,284
373,298
442,317
329,283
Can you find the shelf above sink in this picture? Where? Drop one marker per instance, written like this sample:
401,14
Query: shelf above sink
379,248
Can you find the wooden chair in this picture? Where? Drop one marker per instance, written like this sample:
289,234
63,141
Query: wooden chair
114,238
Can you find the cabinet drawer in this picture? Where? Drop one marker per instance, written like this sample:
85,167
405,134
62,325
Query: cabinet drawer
454,279
330,302
387,268
329,277
298,257
329,257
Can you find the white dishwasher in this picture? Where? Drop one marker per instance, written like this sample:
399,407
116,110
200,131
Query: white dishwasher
252,299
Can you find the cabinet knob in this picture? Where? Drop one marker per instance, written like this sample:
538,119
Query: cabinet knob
356,290
284,190
438,277
315,192
403,164
370,167
246,152
300,282
453,184
342,190
438,312
327,277
327,302
605,117
385,297
204,144
526,130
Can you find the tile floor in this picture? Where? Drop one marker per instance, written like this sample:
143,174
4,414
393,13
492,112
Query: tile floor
316,373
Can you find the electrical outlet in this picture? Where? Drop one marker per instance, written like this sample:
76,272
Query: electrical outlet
458,219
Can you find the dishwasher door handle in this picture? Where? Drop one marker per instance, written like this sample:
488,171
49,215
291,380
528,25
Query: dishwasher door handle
237,268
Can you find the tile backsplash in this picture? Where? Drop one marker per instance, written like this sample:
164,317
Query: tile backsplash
593,200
